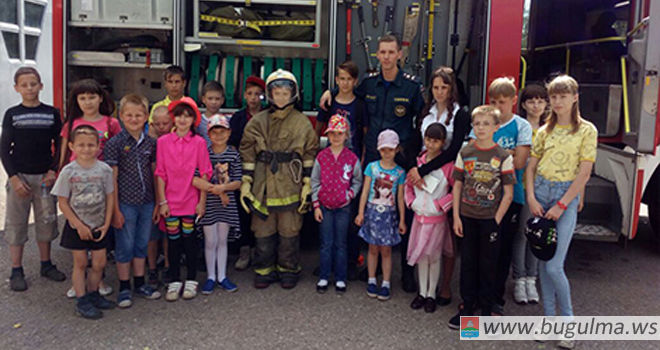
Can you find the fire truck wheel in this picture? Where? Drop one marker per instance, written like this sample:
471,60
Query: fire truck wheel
654,218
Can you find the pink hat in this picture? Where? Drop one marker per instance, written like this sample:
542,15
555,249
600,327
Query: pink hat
220,120
337,123
190,102
388,138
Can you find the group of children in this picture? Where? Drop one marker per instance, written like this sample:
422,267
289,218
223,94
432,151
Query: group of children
161,174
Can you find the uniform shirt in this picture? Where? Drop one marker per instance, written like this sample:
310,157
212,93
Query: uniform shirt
28,135
516,132
176,161
86,189
483,173
335,181
133,159
390,105
384,183
107,127
560,151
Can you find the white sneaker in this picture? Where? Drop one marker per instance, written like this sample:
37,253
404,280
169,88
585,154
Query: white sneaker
532,293
566,344
105,289
173,291
190,290
519,291
71,293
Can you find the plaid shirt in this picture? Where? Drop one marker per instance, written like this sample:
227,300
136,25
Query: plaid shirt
135,181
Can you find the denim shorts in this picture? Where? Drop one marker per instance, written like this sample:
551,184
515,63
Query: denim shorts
132,239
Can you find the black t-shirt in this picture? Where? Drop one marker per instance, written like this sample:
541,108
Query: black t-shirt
28,137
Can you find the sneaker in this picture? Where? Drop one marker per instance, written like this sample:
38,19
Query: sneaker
85,309
105,289
152,278
340,287
208,286
243,261
190,290
429,305
520,291
566,344
322,286
532,293
52,273
148,292
71,293
173,291
372,290
17,282
418,302
227,285
455,322
384,294
124,298
100,302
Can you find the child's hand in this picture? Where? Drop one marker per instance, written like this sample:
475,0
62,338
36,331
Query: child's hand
402,228
21,188
458,227
84,232
554,213
165,210
217,190
535,207
200,209
225,199
104,231
117,219
359,219
318,215
414,178
155,216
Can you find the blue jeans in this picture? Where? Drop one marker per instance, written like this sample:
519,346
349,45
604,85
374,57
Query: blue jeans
334,230
132,239
554,283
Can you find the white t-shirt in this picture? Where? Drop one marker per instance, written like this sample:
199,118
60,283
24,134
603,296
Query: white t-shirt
433,117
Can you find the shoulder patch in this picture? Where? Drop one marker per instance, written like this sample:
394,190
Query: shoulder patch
411,77
372,74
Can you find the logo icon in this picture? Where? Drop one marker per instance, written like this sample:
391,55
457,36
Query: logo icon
469,326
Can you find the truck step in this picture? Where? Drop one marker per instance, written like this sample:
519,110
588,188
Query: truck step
595,233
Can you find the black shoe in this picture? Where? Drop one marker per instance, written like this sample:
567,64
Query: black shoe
100,302
443,301
263,281
418,302
52,273
17,282
429,305
340,290
455,322
289,280
321,289
87,310
408,283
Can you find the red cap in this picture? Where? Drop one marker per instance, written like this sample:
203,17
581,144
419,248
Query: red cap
256,81
190,102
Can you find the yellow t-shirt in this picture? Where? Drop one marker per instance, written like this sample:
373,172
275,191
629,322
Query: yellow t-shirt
164,102
561,152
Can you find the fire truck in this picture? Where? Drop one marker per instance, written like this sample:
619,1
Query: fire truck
609,46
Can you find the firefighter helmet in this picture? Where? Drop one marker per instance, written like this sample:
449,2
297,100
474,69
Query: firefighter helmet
281,78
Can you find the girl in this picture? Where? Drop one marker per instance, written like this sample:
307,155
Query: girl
85,192
180,153
336,178
89,104
381,220
533,107
430,235
442,108
221,212
554,188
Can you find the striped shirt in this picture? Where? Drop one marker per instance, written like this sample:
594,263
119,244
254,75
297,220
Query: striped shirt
226,168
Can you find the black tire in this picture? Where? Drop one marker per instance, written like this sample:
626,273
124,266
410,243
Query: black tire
654,217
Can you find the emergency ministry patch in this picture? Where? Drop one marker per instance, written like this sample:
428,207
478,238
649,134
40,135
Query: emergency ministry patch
400,110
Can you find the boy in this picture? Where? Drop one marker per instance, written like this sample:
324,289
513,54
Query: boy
482,193
175,81
30,132
347,105
132,156
161,123
278,149
253,94
85,194
213,97
515,136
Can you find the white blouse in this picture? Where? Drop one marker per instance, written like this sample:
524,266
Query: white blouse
433,117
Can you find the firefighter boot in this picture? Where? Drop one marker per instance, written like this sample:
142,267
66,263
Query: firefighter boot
264,261
288,261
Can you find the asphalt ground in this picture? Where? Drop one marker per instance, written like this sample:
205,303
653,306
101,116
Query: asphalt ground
606,279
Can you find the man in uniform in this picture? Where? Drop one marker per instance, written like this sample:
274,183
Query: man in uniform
278,149
394,100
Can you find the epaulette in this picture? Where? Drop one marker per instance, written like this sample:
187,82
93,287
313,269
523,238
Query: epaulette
372,74
411,77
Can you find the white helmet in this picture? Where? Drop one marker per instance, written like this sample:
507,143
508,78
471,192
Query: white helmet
282,78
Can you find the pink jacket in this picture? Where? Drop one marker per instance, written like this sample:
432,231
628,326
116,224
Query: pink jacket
431,207
177,158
